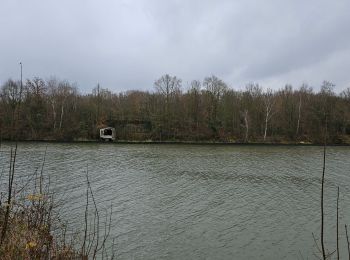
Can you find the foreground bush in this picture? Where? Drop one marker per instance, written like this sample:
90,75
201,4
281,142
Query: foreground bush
31,233
31,229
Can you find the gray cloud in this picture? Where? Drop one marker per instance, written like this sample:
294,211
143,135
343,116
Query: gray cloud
128,44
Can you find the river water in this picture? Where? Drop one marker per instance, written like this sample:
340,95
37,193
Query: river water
199,201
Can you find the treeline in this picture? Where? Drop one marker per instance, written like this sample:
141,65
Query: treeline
206,111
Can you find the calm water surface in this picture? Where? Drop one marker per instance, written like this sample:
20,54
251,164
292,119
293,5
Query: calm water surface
197,201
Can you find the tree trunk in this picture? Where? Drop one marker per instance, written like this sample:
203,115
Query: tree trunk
246,125
265,128
53,114
298,123
266,121
62,112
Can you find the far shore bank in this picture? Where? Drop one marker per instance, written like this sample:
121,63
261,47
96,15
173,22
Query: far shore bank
151,142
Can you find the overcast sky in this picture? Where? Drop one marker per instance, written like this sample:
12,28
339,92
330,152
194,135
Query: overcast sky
128,44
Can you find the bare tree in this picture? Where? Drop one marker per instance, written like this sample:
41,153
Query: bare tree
215,86
299,114
215,89
64,91
246,124
168,87
254,90
52,96
269,103
36,87
11,95
346,94
194,93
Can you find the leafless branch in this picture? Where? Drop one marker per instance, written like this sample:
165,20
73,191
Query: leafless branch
338,224
322,201
347,240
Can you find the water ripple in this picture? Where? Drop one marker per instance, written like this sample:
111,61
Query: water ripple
196,202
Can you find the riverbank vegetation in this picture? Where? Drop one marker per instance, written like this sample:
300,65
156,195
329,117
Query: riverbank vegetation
203,111
31,226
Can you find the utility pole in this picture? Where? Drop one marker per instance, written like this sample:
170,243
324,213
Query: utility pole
18,106
20,92
98,104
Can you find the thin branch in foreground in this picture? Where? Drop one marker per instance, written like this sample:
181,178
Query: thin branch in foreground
9,196
41,173
316,243
322,209
86,222
347,240
97,225
338,224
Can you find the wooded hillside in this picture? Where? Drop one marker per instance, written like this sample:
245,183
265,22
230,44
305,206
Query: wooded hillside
205,111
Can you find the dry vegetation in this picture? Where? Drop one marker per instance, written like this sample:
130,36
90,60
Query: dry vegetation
30,227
